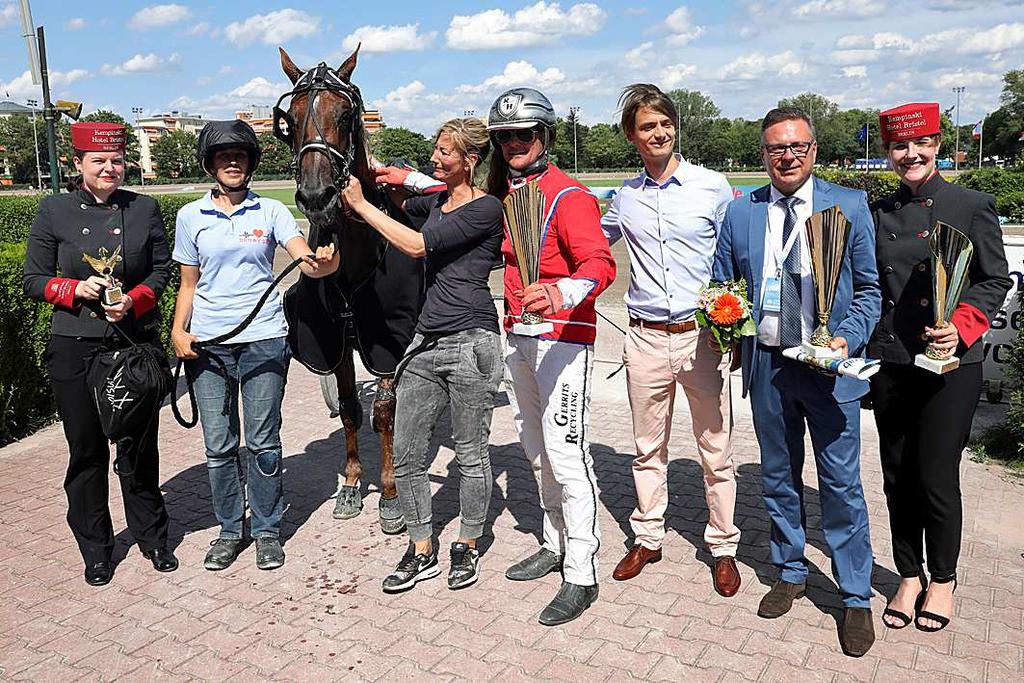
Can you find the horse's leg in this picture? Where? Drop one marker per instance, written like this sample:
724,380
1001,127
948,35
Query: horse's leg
349,502
391,519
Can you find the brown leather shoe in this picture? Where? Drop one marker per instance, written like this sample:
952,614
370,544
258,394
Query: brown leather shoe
857,632
727,576
779,599
634,561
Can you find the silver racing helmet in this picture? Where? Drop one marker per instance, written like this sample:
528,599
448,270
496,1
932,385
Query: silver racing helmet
521,108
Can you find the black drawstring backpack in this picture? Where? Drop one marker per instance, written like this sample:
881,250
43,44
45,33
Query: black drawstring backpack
128,386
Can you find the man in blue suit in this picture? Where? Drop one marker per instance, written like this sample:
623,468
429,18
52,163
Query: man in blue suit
763,240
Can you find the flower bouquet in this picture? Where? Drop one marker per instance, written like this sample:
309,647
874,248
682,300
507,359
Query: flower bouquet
725,310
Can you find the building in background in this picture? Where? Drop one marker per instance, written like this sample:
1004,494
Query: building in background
261,118
149,129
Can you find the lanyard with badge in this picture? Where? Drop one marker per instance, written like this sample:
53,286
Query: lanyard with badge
771,295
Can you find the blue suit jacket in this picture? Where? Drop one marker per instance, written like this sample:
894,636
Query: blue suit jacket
858,301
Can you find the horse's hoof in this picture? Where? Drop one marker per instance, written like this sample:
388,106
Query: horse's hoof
349,503
392,521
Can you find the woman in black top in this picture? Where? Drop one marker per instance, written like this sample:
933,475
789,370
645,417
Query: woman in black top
99,220
924,418
455,357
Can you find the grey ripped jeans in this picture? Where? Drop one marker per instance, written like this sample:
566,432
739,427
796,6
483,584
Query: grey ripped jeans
461,370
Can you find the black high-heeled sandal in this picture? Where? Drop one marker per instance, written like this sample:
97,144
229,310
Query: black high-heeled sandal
905,618
943,621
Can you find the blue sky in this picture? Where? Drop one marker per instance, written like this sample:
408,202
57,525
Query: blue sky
422,63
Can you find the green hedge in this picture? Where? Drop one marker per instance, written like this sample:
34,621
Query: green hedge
26,402
877,185
25,399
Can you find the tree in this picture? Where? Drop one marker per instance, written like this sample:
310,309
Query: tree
606,147
174,155
697,113
562,151
277,156
401,143
829,126
131,155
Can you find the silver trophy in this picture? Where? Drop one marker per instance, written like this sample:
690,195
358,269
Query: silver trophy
524,215
951,258
827,232
104,265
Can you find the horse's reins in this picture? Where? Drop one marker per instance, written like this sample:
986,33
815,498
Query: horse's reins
220,339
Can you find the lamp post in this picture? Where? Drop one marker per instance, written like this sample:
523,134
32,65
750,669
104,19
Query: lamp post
142,171
574,111
956,150
35,137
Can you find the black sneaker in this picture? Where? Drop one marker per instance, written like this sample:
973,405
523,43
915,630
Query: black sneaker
410,569
464,561
269,553
222,553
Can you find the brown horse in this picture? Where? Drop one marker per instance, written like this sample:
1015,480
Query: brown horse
372,303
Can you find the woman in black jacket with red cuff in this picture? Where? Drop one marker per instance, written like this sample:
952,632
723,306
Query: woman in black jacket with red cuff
105,223
923,418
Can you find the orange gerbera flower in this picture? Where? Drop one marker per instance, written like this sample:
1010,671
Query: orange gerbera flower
727,310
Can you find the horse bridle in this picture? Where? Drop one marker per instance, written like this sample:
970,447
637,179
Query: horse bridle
321,78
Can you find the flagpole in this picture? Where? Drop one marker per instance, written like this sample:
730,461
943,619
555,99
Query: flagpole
981,139
867,136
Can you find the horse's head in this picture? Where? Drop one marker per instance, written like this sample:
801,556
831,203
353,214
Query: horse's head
323,126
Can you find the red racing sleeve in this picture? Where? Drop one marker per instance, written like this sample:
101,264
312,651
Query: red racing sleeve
580,234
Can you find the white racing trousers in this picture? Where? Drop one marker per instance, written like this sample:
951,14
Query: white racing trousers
549,389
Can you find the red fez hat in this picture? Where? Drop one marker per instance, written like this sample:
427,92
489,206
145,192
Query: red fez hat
910,121
98,137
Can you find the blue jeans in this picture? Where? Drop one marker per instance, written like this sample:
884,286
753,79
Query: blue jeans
260,370
461,370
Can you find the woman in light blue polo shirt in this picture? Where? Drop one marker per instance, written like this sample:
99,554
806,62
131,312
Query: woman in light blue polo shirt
225,243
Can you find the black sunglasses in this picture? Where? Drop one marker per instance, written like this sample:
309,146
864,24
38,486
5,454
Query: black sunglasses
527,135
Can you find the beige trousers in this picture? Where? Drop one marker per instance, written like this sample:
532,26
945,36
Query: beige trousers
656,363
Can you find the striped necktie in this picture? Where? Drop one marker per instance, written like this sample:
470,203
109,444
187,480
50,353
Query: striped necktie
790,333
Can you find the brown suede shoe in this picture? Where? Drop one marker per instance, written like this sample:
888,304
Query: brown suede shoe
857,632
727,576
779,599
634,561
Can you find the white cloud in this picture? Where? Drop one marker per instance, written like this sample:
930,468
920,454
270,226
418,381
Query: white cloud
22,88
198,29
816,9
515,74
676,75
144,64
757,65
155,16
388,38
259,90
272,28
640,55
635,11
972,78
859,71
226,69
996,39
680,27
75,24
538,24
9,14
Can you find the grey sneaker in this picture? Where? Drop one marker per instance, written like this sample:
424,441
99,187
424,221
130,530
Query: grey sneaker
222,553
412,568
269,553
464,561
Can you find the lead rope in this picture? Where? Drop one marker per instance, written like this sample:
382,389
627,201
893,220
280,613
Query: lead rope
220,339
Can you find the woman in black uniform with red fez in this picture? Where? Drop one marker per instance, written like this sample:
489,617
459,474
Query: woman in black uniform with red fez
924,418
98,219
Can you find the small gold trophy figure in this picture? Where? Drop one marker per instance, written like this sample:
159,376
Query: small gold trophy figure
104,265
951,258
524,214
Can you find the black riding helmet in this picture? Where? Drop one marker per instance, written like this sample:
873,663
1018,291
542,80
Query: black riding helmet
218,135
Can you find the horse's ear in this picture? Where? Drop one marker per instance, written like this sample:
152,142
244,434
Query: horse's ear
290,70
349,65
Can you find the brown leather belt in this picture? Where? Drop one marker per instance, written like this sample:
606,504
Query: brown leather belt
671,328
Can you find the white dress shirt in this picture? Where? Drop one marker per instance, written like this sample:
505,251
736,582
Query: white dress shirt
768,328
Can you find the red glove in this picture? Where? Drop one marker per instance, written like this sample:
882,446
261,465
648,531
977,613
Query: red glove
545,299
391,175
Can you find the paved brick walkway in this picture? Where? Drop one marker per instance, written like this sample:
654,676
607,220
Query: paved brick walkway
323,616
